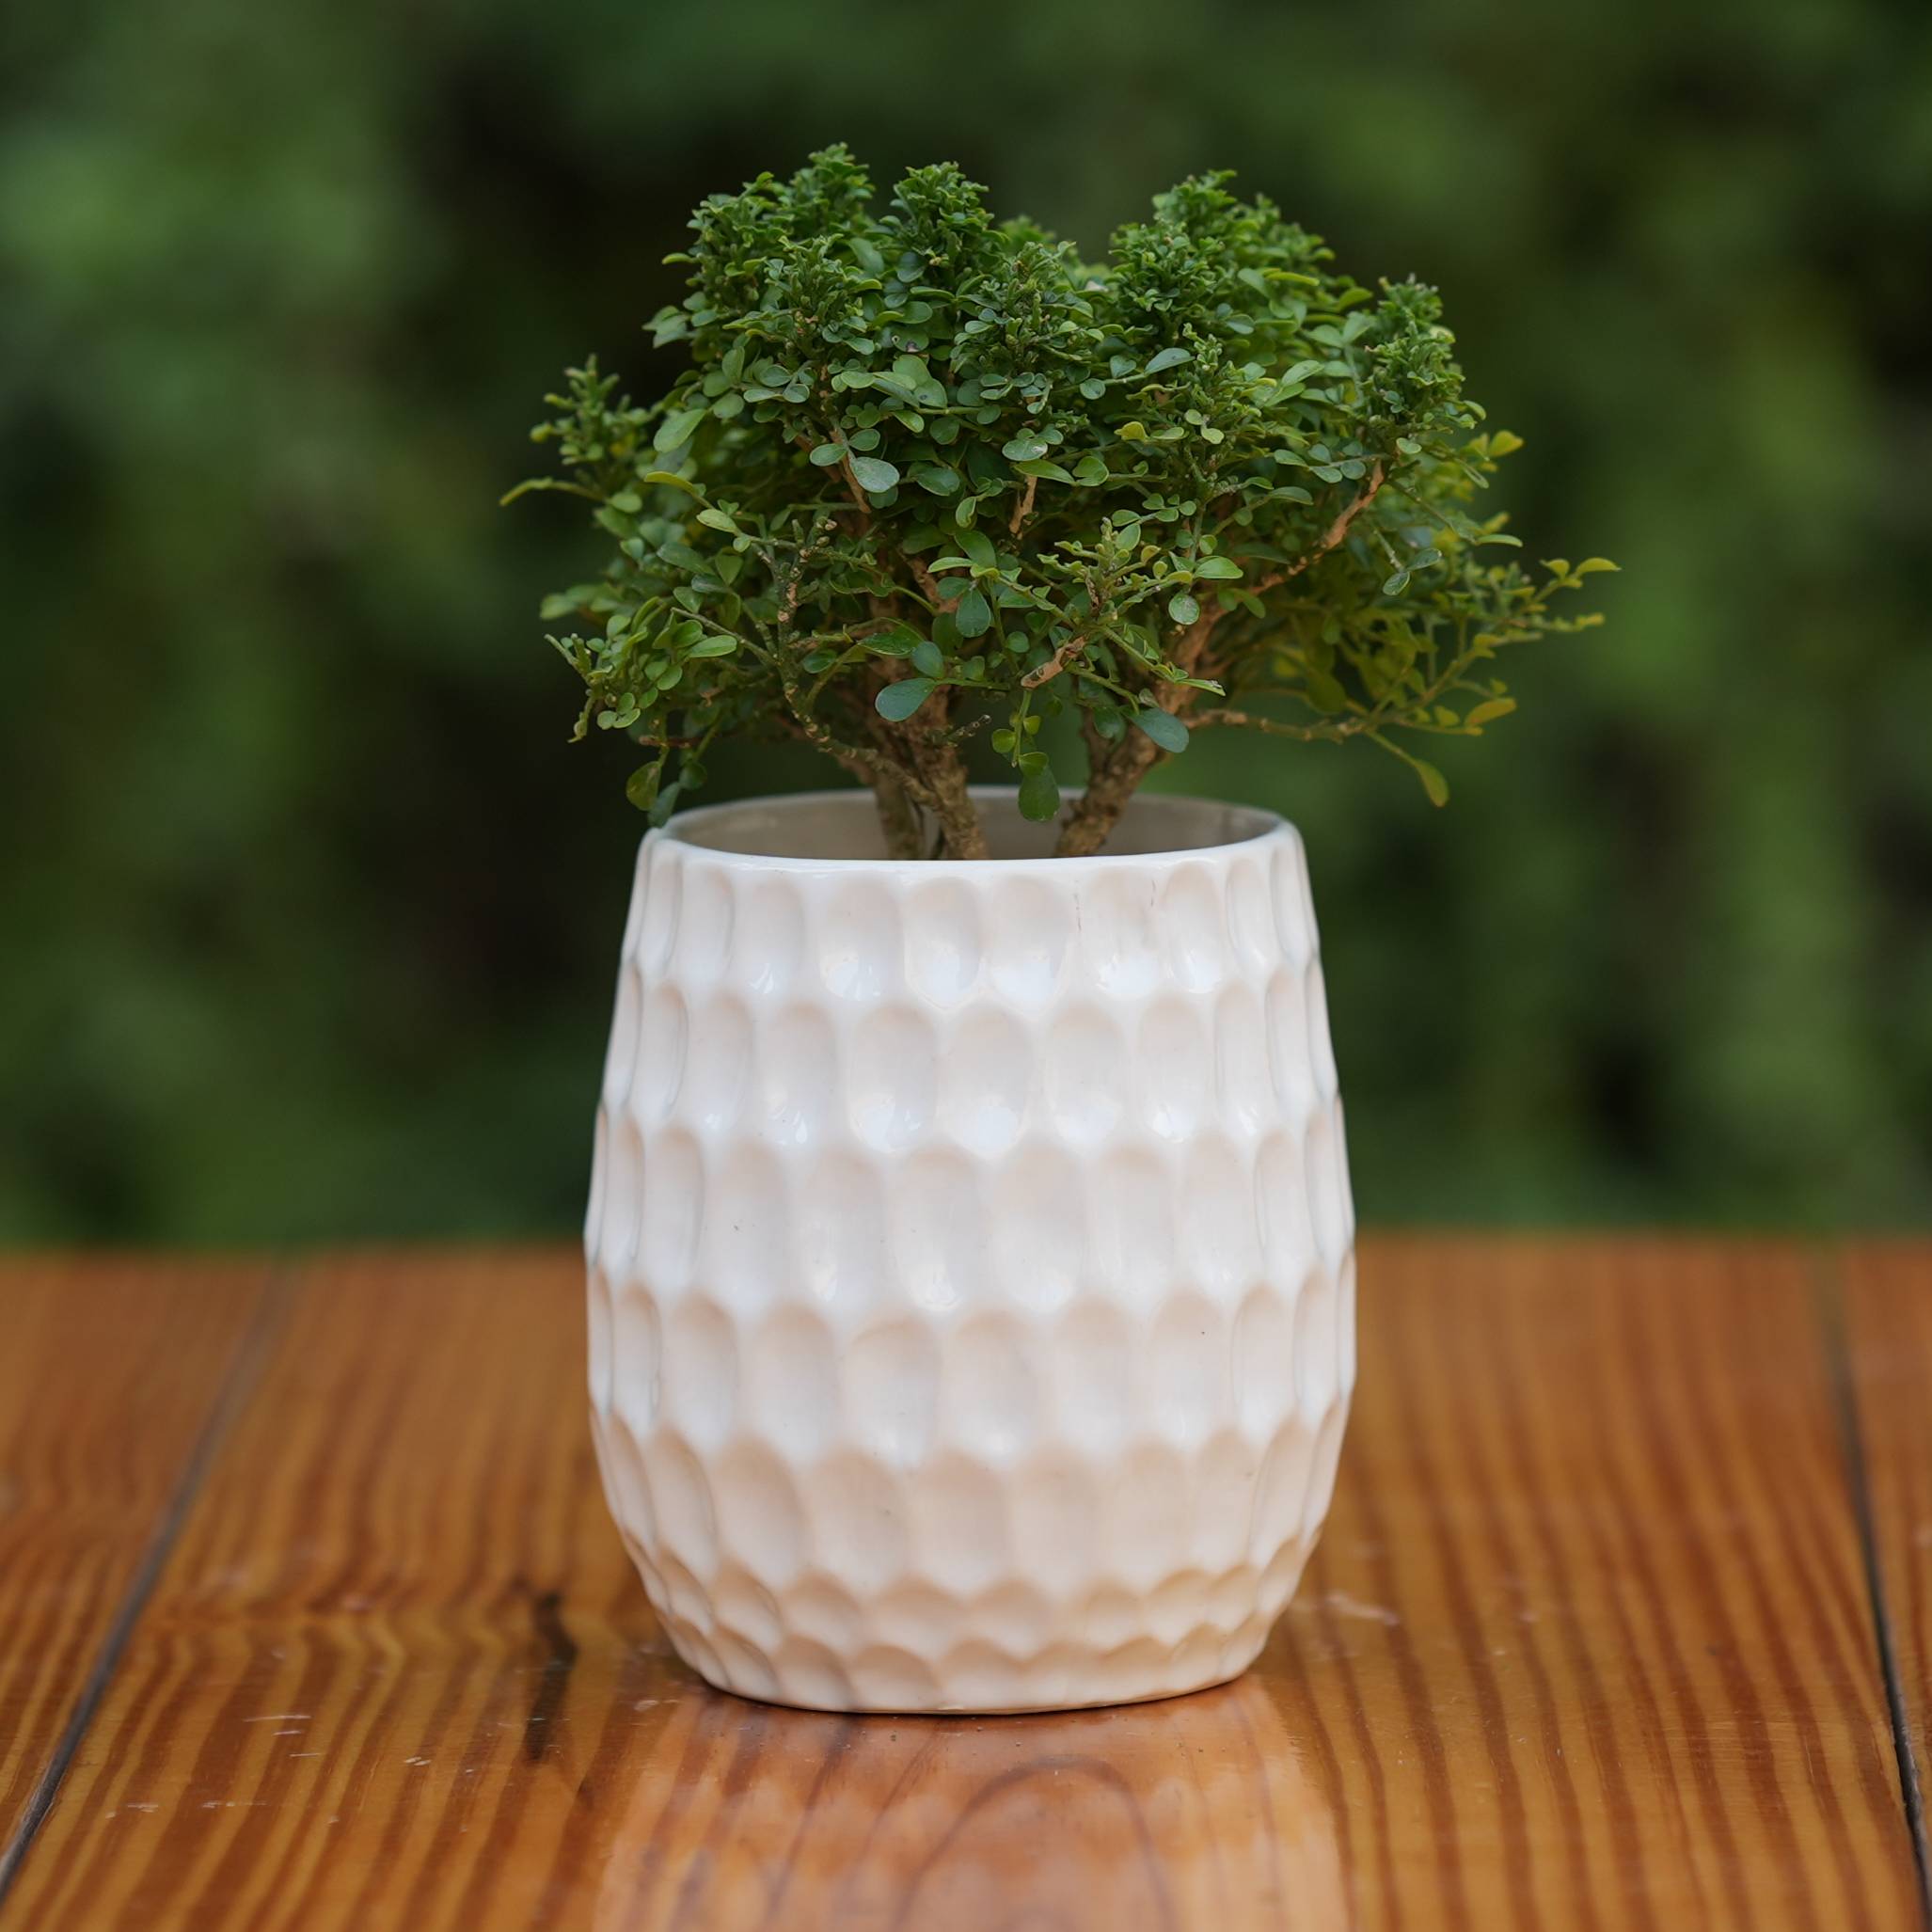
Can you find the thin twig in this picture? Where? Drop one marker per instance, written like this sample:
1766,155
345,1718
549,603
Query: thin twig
1045,674
1023,509
1334,536
844,463
1275,727
929,584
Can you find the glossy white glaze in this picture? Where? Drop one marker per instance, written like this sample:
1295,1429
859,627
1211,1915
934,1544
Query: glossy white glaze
971,1276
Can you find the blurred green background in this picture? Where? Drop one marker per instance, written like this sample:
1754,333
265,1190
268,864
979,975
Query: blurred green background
309,917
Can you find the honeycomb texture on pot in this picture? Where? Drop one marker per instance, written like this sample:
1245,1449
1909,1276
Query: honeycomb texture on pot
972,1281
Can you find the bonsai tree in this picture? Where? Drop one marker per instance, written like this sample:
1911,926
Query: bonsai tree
927,476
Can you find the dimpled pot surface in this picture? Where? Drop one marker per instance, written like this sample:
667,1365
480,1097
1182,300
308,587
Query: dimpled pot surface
971,1280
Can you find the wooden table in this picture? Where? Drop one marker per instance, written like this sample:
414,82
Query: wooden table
310,1617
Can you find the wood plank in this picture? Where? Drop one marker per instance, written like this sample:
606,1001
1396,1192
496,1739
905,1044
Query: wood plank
377,1667
1588,1645
1590,1642
1886,1292
109,1370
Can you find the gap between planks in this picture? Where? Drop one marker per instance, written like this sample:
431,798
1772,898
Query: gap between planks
264,1325
1827,1278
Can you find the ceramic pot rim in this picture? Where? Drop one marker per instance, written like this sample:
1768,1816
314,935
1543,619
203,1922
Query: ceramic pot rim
1164,827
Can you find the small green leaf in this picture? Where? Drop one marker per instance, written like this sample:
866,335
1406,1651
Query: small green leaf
899,701
929,659
678,429
676,483
1050,472
895,643
1091,471
873,473
718,519
1433,780
1325,689
1219,567
826,454
1590,564
641,787
972,614
1040,792
713,647
1133,432
1167,730
1490,710
1182,609
1028,447
1167,359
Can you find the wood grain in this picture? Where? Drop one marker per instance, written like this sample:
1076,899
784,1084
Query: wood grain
1588,1645
109,1371
1886,1291
1589,1641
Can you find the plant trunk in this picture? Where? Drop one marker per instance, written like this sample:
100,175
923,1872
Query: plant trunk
899,819
961,835
1109,785
942,771
1114,779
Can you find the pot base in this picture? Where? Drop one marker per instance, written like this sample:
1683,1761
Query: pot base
1225,1671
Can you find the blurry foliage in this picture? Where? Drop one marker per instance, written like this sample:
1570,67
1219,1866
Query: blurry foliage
304,931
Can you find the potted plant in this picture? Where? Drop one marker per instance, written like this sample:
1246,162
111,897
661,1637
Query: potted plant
970,1244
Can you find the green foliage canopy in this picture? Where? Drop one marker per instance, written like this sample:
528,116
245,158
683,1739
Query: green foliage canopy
929,475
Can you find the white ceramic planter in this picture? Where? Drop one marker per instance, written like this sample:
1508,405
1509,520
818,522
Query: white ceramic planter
972,1287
